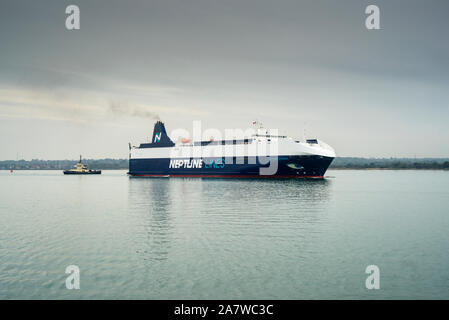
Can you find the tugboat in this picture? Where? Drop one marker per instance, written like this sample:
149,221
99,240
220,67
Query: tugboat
80,168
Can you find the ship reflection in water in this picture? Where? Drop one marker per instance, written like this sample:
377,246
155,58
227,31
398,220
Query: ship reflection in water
208,235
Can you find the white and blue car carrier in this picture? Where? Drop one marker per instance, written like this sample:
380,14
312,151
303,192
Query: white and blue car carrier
261,155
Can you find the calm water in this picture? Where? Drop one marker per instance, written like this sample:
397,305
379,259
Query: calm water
224,239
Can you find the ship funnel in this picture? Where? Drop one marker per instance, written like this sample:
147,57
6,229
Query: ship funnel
160,136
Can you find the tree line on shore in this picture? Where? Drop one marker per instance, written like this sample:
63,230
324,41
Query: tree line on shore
390,163
338,163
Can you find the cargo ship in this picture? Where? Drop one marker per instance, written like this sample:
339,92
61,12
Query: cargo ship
261,155
81,168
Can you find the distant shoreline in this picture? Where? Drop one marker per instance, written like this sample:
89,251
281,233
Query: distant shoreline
339,163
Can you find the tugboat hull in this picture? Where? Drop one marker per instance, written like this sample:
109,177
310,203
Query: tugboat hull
90,172
81,168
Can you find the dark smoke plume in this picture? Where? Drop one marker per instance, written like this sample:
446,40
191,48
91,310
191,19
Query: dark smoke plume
120,108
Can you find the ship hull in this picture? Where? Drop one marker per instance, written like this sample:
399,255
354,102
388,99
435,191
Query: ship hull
310,166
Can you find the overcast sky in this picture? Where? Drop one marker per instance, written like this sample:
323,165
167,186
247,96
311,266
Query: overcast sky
290,64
